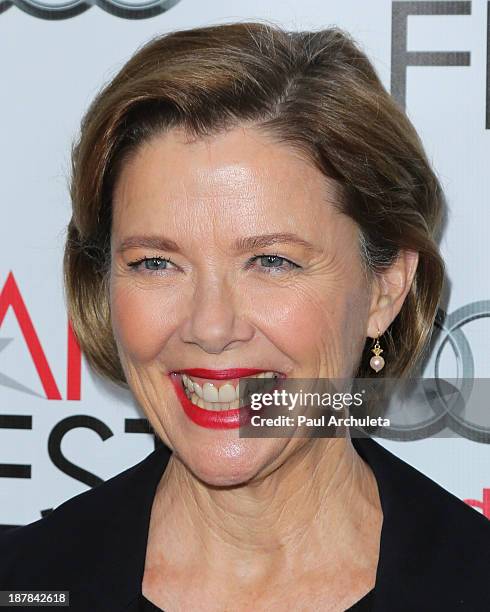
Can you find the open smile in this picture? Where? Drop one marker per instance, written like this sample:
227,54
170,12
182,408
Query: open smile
211,398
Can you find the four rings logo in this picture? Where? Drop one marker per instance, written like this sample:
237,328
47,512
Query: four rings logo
71,8
451,408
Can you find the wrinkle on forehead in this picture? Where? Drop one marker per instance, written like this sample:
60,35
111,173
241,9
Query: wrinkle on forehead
224,175
241,166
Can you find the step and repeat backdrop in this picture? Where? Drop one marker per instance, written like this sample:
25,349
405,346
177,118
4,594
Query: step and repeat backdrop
63,429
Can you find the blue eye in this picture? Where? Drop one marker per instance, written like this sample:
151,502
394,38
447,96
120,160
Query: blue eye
155,263
273,263
152,264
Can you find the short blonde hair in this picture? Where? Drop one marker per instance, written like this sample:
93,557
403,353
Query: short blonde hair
316,91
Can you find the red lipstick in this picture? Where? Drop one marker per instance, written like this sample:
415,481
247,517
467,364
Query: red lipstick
215,419
211,419
220,374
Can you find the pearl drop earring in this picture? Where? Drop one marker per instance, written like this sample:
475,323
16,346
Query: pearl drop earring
377,362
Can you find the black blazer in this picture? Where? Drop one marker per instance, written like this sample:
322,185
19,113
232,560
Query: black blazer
434,553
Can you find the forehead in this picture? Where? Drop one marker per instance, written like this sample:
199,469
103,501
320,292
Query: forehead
240,172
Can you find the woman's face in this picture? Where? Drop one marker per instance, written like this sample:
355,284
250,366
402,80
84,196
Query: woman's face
228,253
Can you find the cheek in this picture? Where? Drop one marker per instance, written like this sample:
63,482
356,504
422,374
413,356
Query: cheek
314,324
296,318
142,321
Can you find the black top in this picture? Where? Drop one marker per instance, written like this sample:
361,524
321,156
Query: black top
434,549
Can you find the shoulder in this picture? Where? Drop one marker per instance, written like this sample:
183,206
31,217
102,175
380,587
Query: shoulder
80,534
28,553
434,547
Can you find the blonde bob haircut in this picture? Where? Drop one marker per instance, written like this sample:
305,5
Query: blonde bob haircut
315,91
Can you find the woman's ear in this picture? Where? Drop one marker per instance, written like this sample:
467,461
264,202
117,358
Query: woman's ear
390,289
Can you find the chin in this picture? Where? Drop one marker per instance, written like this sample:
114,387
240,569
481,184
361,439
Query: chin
230,462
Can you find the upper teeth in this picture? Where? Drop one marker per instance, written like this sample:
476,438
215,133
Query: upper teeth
225,393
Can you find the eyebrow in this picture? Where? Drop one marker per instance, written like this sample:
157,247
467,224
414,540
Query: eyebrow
240,245
252,243
159,243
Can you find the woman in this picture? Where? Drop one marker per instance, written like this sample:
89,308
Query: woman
251,202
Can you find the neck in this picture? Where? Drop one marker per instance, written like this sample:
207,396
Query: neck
321,505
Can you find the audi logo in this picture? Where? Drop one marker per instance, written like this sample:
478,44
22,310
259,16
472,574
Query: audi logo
69,9
458,406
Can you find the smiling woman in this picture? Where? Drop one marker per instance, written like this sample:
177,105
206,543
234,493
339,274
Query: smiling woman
279,296
251,203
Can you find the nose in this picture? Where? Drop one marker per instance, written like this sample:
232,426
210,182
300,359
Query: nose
215,322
